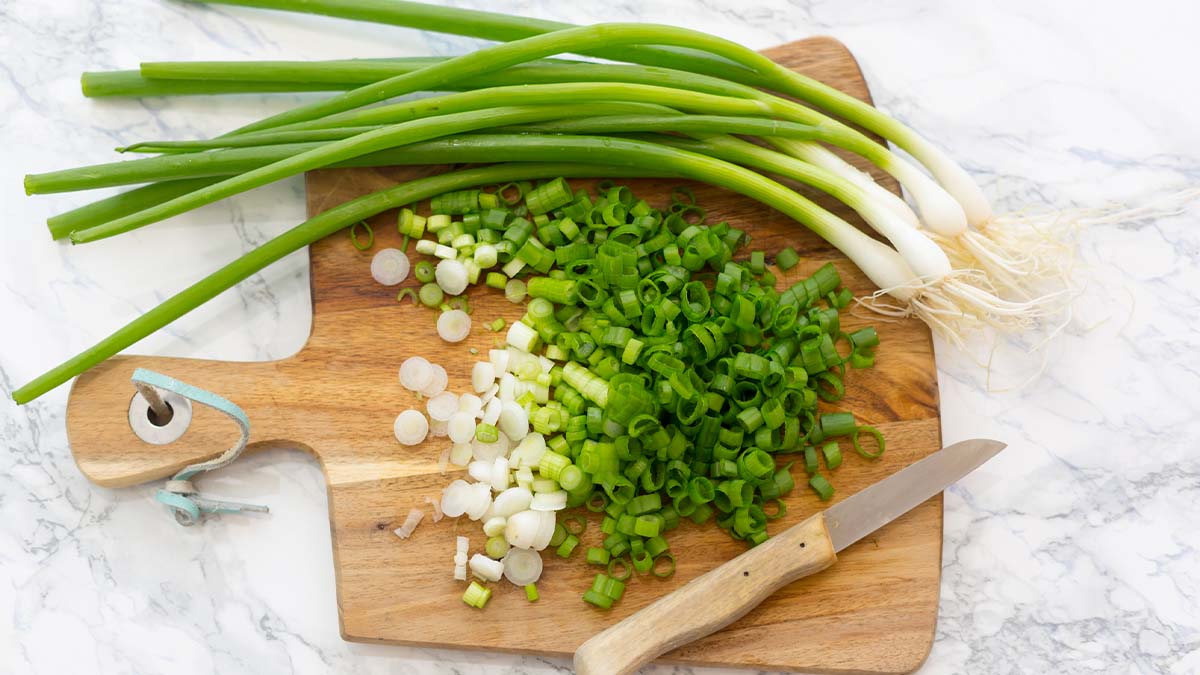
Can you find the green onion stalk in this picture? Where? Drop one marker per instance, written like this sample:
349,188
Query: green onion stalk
702,54
936,206
681,91
351,73
314,158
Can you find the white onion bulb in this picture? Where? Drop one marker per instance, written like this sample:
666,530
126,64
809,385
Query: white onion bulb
523,528
549,501
451,275
514,421
462,427
522,566
442,406
481,500
454,325
470,403
411,427
455,499
390,266
416,373
513,500
483,376
486,568
438,384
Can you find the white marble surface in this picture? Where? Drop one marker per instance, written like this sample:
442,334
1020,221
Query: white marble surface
1078,550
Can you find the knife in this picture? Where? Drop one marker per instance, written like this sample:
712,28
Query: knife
712,601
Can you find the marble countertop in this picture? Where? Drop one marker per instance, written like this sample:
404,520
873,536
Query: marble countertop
1077,550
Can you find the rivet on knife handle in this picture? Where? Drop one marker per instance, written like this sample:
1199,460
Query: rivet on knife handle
710,602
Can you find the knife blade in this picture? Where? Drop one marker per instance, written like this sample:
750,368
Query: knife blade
714,600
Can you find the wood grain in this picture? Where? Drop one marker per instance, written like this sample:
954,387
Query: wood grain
337,399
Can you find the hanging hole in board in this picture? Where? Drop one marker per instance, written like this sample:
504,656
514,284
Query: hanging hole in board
158,429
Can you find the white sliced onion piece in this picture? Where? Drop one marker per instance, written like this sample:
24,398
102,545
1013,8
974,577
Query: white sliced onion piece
513,500
489,451
523,529
491,412
460,573
389,267
438,428
545,529
549,501
490,394
480,471
460,558
416,373
485,568
514,421
522,566
411,427
462,544
442,406
455,500
480,500
439,382
483,376
508,387
462,427
499,359
500,474
460,454
530,450
454,325
470,403
437,507
494,525
524,477
451,275
410,523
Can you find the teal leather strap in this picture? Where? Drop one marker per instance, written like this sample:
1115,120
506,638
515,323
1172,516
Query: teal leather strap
179,494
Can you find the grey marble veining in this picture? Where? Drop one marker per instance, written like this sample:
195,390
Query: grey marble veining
1076,551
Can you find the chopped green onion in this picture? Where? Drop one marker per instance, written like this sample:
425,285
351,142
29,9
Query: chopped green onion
423,271
821,486
361,245
597,556
879,442
833,455
567,546
431,295
787,259
531,592
476,595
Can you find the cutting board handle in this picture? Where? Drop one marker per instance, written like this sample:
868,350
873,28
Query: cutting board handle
710,602
108,451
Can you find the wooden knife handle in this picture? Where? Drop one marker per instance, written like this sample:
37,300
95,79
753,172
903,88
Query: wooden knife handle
710,602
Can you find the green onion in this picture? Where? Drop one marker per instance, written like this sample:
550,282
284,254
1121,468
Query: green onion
360,245
787,259
833,455
423,271
879,442
821,486
531,592
477,595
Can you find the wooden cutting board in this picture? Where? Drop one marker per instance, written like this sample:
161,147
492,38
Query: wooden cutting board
874,611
